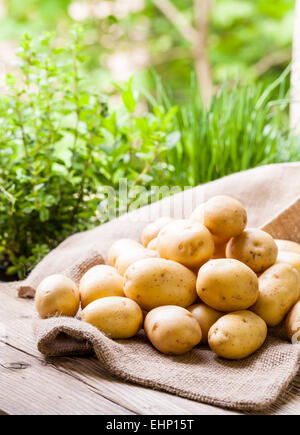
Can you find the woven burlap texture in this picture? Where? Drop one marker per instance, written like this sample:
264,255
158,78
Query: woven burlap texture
271,195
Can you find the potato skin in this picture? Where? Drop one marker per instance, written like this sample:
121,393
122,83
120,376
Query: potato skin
127,259
254,247
151,231
292,323
224,216
153,244
237,335
186,242
120,247
279,290
57,295
117,317
227,285
287,245
291,258
153,282
206,317
100,282
172,330
198,216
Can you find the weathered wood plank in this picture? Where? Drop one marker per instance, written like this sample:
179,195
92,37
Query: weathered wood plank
29,386
18,315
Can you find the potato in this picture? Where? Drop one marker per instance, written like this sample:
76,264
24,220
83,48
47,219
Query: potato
57,295
279,290
237,335
127,259
292,324
151,231
100,282
227,285
186,242
120,247
153,282
254,247
172,330
198,214
206,318
225,217
115,316
291,258
287,245
153,244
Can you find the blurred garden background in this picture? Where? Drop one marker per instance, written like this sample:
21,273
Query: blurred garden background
217,38
157,92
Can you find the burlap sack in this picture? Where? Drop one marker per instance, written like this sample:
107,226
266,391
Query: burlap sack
272,197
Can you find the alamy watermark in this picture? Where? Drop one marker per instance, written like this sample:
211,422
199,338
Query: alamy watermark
129,199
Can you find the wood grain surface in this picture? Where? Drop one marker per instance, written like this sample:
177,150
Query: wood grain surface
29,384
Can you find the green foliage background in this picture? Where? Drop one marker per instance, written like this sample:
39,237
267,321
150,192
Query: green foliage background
61,140
251,36
61,144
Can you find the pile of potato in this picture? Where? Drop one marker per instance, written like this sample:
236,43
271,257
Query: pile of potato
202,280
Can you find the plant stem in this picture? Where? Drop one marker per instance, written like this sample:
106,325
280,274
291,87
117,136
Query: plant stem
202,64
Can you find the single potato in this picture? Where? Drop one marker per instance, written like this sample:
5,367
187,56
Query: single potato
227,285
151,231
254,247
100,282
186,242
115,316
287,245
237,335
225,217
172,330
127,259
291,258
153,282
56,296
122,246
279,290
206,318
292,324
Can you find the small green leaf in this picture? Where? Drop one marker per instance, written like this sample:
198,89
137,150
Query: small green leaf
128,98
44,215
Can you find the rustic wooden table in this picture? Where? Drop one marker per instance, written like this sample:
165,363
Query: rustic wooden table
31,385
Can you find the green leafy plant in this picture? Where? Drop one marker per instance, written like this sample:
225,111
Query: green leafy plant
61,144
245,126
